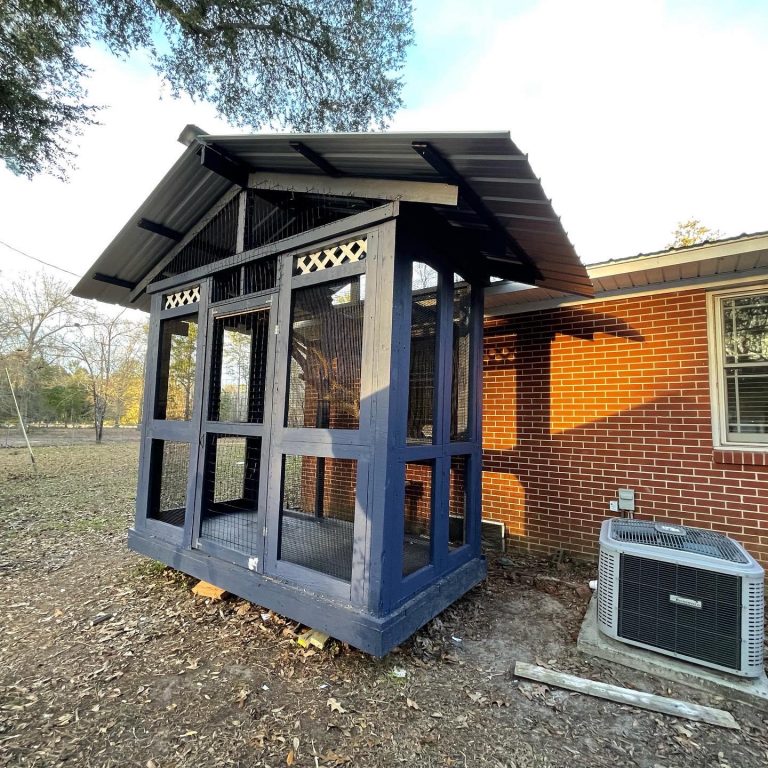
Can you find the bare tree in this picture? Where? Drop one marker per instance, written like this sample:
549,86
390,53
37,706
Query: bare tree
34,311
103,345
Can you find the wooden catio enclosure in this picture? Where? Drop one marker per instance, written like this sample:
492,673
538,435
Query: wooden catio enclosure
312,415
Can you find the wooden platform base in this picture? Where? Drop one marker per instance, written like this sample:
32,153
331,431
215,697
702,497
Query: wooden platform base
371,633
204,589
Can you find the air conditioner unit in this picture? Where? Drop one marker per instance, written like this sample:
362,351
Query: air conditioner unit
687,592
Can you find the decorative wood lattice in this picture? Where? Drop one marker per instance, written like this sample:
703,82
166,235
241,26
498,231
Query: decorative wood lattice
355,250
182,298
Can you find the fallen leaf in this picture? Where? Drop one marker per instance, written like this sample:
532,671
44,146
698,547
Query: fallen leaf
289,758
412,704
242,697
335,706
476,696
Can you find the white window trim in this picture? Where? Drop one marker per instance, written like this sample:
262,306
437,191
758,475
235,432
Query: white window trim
717,369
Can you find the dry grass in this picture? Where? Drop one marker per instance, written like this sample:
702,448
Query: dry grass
106,659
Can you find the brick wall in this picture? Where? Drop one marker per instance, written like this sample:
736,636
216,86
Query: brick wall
580,401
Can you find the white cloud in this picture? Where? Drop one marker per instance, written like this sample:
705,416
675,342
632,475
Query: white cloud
634,117
119,163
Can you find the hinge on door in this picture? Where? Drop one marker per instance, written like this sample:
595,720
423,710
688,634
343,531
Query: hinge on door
277,329
264,532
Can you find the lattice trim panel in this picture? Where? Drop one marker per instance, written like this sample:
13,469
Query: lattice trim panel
182,298
335,256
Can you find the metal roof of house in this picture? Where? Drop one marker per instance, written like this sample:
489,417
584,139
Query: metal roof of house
490,164
712,263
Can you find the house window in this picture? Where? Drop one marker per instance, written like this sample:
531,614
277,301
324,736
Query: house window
740,367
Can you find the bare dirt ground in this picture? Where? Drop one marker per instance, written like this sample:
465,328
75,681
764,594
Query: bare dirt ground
106,659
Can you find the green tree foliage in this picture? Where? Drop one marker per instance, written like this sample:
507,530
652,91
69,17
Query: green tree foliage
305,64
181,371
692,232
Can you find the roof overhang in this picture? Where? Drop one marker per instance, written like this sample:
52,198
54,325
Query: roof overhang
719,263
476,181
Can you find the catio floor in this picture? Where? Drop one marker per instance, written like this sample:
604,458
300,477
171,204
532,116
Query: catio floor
321,544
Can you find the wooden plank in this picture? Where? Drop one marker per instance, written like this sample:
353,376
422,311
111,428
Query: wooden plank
313,637
433,192
204,589
640,699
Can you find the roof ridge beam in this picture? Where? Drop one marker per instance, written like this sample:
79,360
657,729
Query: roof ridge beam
432,192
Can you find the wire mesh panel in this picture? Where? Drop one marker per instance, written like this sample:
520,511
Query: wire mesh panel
272,216
417,516
229,514
326,355
460,376
259,275
176,369
215,241
318,513
169,472
421,382
457,502
239,367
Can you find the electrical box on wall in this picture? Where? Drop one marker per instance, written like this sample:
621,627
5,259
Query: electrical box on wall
627,499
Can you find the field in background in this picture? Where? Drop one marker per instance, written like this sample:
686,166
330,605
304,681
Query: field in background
12,437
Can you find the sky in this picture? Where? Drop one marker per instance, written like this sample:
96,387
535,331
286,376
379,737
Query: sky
635,114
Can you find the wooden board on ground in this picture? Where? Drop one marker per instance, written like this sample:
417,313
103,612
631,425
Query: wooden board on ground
313,637
204,589
666,706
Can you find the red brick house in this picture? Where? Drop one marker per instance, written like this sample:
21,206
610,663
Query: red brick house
659,384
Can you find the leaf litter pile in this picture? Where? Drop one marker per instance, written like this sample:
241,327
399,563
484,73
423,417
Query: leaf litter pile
107,659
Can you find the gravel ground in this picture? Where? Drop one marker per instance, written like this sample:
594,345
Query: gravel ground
106,659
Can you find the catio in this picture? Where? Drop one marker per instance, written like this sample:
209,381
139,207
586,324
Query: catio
312,414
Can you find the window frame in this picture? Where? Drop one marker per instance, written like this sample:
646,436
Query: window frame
757,442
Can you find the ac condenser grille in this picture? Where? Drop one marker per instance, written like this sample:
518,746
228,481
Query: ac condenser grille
689,611
756,609
698,541
606,586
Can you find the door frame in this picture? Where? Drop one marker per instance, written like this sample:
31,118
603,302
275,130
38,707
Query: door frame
262,302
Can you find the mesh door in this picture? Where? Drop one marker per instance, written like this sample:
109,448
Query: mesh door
239,367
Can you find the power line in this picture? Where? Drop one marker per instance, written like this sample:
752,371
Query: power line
40,261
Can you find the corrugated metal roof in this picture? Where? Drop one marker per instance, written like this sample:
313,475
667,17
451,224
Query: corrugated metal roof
489,163
731,258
